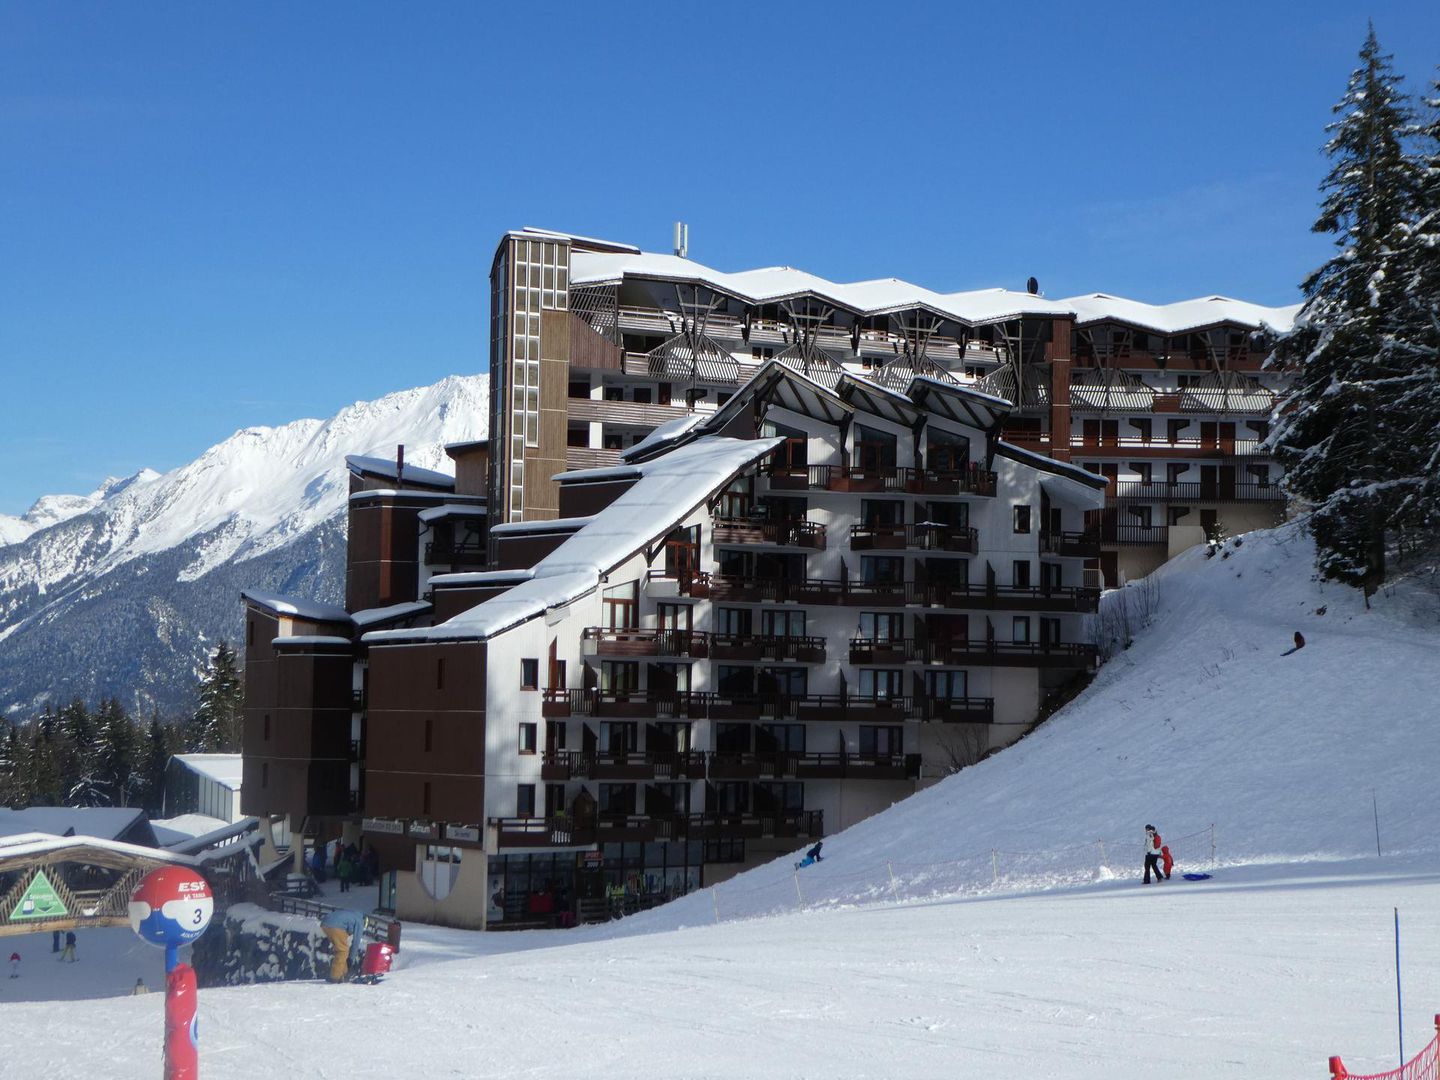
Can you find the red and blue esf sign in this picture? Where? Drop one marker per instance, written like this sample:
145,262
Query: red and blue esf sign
171,907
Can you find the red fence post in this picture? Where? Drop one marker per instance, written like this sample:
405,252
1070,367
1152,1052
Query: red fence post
1337,1069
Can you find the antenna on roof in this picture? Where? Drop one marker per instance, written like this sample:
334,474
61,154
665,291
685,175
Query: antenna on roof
1032,287
682,238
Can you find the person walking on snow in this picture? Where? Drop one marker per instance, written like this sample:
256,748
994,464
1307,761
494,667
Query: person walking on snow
1153,851
14,965
68,953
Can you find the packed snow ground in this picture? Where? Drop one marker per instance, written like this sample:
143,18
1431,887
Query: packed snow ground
1263,972
1066,968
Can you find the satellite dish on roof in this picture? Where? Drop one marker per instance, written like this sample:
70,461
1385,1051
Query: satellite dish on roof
1032,287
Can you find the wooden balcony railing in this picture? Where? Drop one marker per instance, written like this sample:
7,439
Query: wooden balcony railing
793,649
645,642
1139,447
1135,534
925,536
1198,491
640,414
757,590
806,534
562,765
1076,544
981,653
891,479
561,830
806,766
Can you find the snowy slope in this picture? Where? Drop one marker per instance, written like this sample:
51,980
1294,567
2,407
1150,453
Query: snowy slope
1201,721
53,509
125,595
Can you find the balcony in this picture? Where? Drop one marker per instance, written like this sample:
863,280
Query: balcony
1080,545
562,831
791,649
804,534
888,651
967,710
635,413
892,479
470,551
764,590
1009,654
639,642
1198,491
587,457
561,765
1135,446
925,536
1135,534
692,584
802,766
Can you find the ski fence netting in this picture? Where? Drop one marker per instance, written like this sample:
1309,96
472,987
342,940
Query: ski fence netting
1423,1066
833,883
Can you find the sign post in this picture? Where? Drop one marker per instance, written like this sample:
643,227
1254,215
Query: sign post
171,907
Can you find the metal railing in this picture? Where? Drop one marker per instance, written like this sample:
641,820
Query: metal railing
645,642
1078,544
562,830
1198,491
902,480
742,589
807,534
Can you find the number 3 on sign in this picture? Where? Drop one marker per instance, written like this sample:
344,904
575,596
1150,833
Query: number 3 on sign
199,916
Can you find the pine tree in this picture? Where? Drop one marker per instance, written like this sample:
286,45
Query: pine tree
78,756
118,755
1338,432
159,743
215,726
45,783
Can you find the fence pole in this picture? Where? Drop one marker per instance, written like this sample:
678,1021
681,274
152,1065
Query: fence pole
995,864
798,898
1399,1013
894,891
1103,863
1212,845
716,901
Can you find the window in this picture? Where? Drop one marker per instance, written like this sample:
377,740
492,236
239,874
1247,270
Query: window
1141,514
642,395
782,623
731,679
579,389
577,436
780,738
734,622
881,683
554,735
1142,471
1021,632
732,738
946,685
731,797
530,673
524,800
882,626
617,800
1142,428
1174,472
249,631
878,741
783,681
1049,631
1020,573
1022,519
1175,430
881,569
614,393
619,737
779,798
267,727
527,738
672,616
621,676
554,799
429,735
882,511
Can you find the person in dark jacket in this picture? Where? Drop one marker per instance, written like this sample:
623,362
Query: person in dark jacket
1153,846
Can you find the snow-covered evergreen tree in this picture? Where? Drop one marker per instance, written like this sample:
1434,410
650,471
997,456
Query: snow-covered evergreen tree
215,726
118,755
1341,430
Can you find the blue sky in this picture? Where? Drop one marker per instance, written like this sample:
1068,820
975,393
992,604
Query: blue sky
218,216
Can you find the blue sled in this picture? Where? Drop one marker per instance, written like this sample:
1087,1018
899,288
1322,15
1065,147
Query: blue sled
1196,877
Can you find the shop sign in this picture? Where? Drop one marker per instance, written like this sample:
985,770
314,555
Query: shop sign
424,832
462,832
382,825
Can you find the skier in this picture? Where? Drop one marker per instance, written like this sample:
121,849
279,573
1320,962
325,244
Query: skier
1153,851
14,965
343,928
1299,644
811,857
68,953
139,988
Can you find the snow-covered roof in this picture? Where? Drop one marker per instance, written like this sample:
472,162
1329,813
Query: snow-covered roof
669,489
884,295
183,827
376,616
531,231
296,606
667,432
378,466
222,768
483,577
527,528
25,845
1181,316
452,510
106,822
1050,465
308,639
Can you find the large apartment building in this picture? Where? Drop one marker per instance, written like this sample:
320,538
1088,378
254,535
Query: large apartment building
787,565
597,343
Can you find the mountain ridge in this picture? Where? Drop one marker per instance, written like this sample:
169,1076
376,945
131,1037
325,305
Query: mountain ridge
125,591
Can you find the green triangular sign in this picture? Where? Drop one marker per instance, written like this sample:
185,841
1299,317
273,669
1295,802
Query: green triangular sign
40,901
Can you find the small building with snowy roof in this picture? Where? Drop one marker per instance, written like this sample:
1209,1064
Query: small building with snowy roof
207,784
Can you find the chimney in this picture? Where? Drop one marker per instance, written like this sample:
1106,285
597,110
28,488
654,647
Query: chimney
400,466
1032,287
682,239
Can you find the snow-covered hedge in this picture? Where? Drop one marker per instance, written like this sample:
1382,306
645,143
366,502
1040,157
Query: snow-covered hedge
251,945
